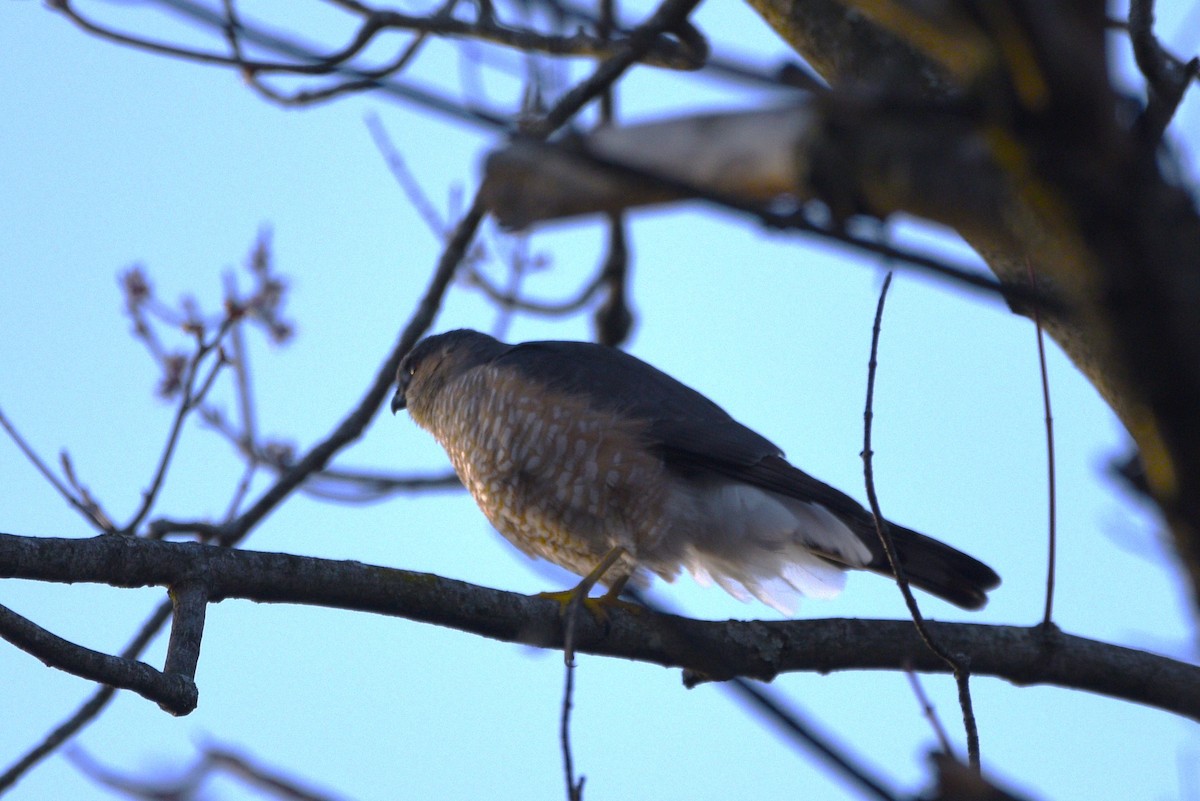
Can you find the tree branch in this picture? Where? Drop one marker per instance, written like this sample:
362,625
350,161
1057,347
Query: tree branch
1079,196
88,711
355,422
175,693
1167,78
712,650
680,54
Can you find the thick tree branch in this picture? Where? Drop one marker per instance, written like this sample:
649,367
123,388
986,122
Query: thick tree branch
802,155
1079,197
710,650
844,45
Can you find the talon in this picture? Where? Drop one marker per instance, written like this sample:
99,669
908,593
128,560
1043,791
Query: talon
597,607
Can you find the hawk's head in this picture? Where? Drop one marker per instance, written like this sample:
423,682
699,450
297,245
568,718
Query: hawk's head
438,359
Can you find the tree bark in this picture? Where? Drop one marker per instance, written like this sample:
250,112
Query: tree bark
1073,195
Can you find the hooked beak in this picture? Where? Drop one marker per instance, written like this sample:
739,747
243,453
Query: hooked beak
404,377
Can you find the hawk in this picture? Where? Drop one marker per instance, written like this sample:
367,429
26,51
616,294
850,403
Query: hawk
598,462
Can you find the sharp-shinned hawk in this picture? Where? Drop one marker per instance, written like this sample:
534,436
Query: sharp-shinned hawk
579,453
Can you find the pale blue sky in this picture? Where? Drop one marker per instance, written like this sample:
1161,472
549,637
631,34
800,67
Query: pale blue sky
113,157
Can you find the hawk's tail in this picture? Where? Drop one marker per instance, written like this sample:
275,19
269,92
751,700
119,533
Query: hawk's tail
934,567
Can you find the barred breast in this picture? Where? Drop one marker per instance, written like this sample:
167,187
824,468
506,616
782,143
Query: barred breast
558,478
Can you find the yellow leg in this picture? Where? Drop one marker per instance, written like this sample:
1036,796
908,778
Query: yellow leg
612,597
571,600
579,593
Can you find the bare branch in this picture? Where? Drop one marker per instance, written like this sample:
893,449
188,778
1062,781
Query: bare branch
174,693
505,193
864,779
355,422
671,16
574,788
1052,490
189,602
799,731
544,308
190,396
89,511
366,78
90,708
716,650
930,713
684,52
213,760
1167,78
958,666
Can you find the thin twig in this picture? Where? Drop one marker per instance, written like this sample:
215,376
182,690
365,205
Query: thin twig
577,599
495,121
257,775
102,518
88,511
213,762
245,401
818,743
930,713
241,489
670,16
1051,558
366,78
508,299
205,17
241,370
801,733
190,396
664,52
956,664
355,422
574,789
398,167
791,74
362,486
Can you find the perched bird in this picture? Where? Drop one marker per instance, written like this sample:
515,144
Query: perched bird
589,457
